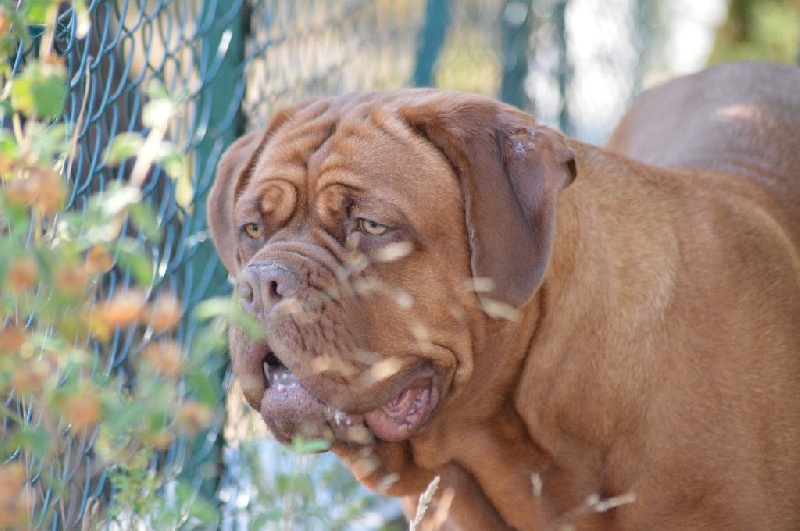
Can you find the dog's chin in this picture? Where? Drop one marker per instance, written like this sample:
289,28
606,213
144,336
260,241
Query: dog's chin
291,409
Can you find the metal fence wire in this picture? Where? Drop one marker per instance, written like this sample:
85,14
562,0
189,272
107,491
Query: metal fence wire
238,61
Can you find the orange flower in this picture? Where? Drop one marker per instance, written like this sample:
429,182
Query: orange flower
12,338
160,440
43,191
194,416
71,279
15,498
21,192
166,357
165,312
123,309
29,378
51,193
98,260
82,410
23,274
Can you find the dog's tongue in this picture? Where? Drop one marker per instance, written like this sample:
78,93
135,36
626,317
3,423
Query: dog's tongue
290,410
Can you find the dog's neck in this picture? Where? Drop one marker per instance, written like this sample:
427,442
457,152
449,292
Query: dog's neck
625,274
611,285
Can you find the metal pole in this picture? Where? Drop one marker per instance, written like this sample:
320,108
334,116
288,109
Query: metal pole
516,34
564,67
437,19
218,116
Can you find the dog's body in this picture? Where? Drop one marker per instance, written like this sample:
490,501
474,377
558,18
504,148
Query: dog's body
654,355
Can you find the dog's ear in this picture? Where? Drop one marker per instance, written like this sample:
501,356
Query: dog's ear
235,162
511,171
233,173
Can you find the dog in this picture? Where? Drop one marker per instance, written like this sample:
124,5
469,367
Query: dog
562,334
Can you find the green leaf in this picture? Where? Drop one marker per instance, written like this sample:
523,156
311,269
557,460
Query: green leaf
19,29
132,260
203,511
171,159
8,144
272,514
145,220
122,418
123,146
303,485
39,90
284,484
202,386
213,307
36,10
50,142
32,439
314,446
16,220
229,309
5,104
156,90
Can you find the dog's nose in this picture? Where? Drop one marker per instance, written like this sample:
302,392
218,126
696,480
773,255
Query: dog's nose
262,285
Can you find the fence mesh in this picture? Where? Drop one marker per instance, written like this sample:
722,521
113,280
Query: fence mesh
239,60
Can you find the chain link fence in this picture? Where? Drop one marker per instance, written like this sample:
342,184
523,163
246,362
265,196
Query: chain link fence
574,64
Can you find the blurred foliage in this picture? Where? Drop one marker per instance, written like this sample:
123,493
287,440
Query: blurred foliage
58,323
287,497
759,29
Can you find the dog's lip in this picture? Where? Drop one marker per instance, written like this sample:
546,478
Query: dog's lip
289,409
274,370
402,416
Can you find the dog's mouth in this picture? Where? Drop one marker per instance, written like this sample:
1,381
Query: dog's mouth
290,410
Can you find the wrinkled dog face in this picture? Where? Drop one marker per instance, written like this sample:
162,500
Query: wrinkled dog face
335,235
351,228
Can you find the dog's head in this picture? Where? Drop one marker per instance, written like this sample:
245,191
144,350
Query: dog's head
354,227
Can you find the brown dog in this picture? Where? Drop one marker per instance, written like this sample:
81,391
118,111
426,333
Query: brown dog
640,343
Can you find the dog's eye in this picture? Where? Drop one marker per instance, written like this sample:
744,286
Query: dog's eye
370,227
253,230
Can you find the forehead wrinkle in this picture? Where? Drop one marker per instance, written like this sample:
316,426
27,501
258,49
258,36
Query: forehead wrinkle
287,156
426,156
342,149
374,125
388,121
380,182
295,145
381,129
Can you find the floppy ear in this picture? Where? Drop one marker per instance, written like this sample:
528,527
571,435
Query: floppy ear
233,173
511,171
236,161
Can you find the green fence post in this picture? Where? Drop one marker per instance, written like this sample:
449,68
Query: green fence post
218,121
564,66
437,18
516,33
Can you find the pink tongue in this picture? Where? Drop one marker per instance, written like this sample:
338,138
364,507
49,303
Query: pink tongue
398,419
